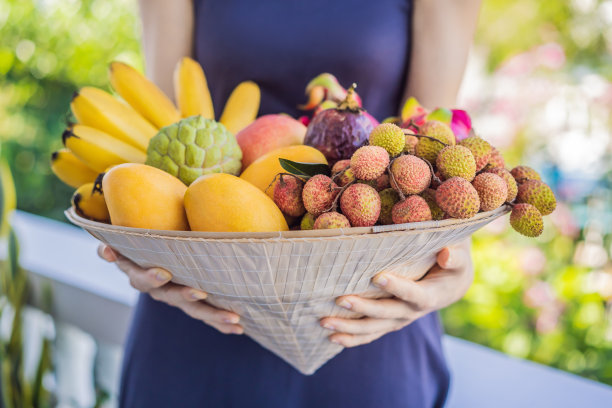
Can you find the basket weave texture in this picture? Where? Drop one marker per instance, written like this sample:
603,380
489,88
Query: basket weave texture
282,284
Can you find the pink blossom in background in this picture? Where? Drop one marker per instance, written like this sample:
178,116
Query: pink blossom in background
533,261
461,124
539,295
550,55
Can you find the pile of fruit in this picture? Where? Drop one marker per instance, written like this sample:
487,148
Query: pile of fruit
145,163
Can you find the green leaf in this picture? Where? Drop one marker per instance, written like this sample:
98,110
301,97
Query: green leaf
306,170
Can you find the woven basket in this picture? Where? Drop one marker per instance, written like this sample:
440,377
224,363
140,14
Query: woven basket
283,283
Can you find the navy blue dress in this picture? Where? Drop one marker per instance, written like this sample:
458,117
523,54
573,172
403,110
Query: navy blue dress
172,360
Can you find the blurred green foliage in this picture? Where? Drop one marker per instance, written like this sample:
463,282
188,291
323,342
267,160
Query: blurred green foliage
553,314
48,50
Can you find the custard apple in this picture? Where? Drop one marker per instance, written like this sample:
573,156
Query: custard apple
194,146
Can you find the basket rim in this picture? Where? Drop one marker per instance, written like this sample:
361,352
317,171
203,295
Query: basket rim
253,237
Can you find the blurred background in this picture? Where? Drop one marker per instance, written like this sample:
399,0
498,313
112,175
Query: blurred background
538,86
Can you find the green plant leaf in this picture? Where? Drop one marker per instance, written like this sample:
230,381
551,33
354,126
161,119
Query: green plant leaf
306,170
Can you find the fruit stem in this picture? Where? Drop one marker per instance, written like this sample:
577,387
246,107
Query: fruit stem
280,175
393,182
334,206
350,103
408,133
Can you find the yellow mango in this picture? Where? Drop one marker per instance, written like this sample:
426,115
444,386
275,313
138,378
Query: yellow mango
262,171
142,196
224,203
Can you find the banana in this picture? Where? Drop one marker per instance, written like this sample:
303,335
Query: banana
242,106
88,201
99,109
99,150
68,168
143,95
191,90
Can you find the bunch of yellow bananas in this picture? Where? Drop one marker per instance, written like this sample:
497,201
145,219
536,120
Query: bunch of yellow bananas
110,131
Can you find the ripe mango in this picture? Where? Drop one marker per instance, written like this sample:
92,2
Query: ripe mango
142,196
224,203
263,170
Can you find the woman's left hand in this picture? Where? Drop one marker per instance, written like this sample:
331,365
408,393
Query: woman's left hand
445,283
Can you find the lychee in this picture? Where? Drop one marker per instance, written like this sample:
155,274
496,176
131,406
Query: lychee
413,209
388,198
480,148
492,190
360,203
318,194
456,161
510,181
345,177
288,195
526,220
410,175
332,219
379,184
390,137
496,159
538,194
369,162
339,166
428,149
410,145
458,198
307,222
524,173
430,197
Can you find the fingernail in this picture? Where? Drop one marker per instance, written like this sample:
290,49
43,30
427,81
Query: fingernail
381,280
335,341
328,326
231,320
345,304
198,294
162,275
449,260
237,330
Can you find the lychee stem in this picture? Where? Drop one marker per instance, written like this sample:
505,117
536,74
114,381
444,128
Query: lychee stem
334,205
280,175
433,174
408,133
393,182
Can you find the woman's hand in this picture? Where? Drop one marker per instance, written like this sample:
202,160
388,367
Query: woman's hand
445,283
156,282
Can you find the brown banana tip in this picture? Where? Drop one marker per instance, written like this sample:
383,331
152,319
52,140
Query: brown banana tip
67,133
54,156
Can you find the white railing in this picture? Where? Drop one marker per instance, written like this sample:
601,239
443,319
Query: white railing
94,296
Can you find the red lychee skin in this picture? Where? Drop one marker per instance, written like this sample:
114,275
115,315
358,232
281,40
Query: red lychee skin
318,194
510,181
524,173
411,175
288,196
332,219
492,190
340,166
379,184
369,162
412,209
458,198
360,203
496,159
345,177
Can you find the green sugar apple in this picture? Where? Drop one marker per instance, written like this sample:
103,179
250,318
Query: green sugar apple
194,146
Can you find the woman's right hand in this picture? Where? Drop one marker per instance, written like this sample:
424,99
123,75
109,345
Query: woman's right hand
156,282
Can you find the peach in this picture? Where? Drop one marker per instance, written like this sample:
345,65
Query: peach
267,133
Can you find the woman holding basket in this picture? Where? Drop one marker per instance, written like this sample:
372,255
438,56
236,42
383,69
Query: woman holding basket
179,352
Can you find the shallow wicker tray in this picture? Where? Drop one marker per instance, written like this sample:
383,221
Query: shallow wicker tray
283,283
